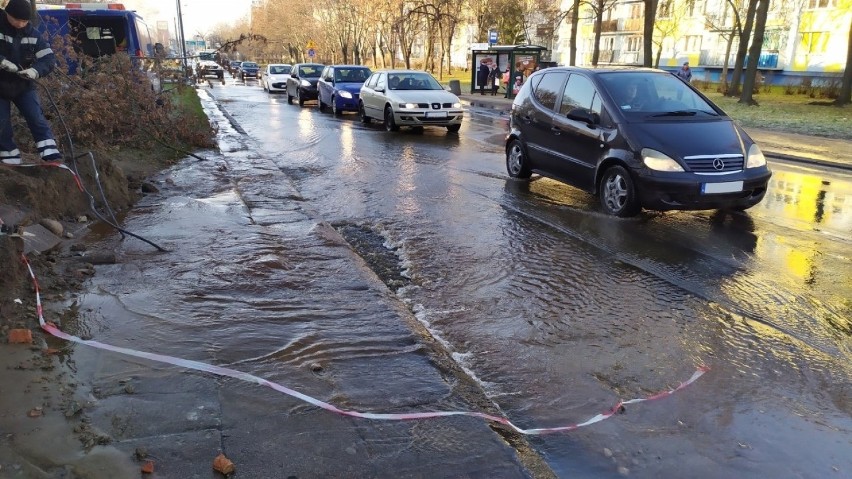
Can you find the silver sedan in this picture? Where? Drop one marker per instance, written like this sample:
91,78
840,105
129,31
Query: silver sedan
409,98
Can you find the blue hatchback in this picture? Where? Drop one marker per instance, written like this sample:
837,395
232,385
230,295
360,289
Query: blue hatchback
339,87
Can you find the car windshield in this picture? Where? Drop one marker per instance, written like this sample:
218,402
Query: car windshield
413,81
309,71
656,94
207,56
279,70
249,65
351,75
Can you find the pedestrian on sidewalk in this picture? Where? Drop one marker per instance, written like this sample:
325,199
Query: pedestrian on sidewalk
482,76
24,57
494,78
685,73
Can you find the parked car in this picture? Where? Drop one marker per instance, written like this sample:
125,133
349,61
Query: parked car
339,86
206,65
274,77
409,98
637,138
302,84
234,68
249,70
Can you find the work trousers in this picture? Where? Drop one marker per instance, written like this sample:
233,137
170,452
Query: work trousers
28,104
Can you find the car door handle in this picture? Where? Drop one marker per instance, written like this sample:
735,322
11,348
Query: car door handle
556,130
526,119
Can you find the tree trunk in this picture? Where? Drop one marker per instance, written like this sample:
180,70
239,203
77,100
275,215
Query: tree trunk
659,54
723,79
648,33
745,35
845,96
596,52
754,53
572,42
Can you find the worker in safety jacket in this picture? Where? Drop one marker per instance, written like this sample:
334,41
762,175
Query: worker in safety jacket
24,57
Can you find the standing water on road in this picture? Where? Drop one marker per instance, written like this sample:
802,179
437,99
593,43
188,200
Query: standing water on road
555,310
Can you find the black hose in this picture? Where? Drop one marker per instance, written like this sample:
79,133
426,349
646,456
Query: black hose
76,171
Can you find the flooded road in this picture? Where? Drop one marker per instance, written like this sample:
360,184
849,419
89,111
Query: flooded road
555,310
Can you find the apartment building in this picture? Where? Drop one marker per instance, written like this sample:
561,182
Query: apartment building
803,37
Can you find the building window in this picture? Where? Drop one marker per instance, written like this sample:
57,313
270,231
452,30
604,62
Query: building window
634,44
814,42
814,4
664,9
692,43
636,10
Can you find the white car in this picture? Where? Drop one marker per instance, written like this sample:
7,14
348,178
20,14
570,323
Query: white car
409,98
274,77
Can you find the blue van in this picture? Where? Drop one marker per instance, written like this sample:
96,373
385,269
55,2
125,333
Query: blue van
98,29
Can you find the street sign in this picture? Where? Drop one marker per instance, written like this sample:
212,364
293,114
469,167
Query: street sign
311,45
311,52
492,36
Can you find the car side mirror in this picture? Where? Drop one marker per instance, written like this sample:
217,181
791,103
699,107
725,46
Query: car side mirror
585,115
379,88
293,75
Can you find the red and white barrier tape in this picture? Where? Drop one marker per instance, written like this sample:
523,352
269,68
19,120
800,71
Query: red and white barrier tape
51,164
221,371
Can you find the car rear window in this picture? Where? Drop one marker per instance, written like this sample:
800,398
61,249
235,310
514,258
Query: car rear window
310,71
549,89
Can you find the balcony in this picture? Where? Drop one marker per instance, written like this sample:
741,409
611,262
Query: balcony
632,25
609,26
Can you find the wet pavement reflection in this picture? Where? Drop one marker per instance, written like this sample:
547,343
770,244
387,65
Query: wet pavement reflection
554,308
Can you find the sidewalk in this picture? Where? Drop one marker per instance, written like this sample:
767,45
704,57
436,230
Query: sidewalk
775,145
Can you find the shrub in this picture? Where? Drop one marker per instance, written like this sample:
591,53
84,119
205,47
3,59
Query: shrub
110,102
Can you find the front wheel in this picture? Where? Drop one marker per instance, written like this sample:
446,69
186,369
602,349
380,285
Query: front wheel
321,104
334,109
517,164
390,123
299,97
453,128
363,114
618,193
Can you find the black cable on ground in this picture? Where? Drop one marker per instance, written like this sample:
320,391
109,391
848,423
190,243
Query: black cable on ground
76,170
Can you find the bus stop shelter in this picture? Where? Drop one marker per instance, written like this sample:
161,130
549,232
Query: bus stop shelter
521,60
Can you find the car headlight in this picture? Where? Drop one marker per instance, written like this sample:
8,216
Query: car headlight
655,160
345,94
305,83
407,105
755,157
457,105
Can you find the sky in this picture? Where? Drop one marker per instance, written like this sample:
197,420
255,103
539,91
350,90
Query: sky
199,16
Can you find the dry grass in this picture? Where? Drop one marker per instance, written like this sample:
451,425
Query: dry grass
790,113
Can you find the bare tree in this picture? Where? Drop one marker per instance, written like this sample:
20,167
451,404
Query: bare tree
754,53
572,41
845,96
745,35
648,32
669,26
727,30
599,7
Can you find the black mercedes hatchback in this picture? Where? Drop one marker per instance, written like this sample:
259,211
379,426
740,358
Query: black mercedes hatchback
635,137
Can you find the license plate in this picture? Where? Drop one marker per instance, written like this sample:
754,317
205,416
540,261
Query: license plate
727,187
436,114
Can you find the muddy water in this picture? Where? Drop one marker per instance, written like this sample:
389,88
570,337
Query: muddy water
556,310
